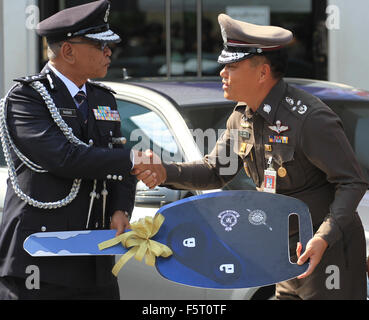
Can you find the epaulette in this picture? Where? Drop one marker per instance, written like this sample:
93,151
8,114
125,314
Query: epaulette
299,105
29,79
101,85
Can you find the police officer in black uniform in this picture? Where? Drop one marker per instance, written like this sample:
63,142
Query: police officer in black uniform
291,143
68,167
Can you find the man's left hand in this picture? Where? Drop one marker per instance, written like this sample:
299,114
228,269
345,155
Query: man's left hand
315,249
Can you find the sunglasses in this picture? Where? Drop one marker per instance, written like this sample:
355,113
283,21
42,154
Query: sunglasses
100,45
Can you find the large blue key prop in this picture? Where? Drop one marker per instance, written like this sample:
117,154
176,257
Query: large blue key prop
229,239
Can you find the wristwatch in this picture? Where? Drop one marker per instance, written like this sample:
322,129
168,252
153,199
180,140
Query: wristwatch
127,215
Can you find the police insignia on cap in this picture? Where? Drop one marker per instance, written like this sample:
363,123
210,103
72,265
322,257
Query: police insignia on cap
107,14
243,40
88,20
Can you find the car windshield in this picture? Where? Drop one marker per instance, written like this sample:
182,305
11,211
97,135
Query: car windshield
145,129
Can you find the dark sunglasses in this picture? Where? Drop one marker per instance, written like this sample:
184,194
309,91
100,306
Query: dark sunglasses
101,45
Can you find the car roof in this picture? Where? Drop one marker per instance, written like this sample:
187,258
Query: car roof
188,92
328,91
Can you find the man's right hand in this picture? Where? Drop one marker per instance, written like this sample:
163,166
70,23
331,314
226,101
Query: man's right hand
148,168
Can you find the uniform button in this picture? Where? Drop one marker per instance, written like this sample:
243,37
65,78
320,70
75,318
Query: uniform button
43,228
115,177
108,176
120,178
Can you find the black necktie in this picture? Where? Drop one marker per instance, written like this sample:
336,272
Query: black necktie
81,99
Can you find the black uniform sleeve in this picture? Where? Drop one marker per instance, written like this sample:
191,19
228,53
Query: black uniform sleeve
122,192
38,137
327,147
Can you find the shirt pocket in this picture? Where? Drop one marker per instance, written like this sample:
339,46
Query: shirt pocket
290,173
105,127
246,152
105,132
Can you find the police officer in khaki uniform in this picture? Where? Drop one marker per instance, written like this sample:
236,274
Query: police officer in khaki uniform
291,143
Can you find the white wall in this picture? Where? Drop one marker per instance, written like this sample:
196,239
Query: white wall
348,44
18,43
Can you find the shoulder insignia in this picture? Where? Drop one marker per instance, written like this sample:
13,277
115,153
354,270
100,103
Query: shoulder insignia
101,85
297,106
29,79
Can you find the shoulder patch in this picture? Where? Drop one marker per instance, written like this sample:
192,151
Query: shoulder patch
29,79
299,102
101,85
296,105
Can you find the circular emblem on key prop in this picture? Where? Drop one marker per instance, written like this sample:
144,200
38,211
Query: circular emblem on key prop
258,217
282,172
228,219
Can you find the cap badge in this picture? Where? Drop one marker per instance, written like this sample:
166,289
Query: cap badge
278,127
107,14
224,34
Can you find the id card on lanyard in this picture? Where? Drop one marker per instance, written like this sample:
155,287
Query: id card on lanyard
270,178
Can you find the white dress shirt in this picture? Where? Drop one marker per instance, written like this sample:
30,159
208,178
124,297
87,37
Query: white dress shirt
71,86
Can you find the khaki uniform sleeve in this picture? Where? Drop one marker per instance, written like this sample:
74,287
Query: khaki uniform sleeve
326,146
214,171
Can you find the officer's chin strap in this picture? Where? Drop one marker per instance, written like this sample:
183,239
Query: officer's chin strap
8,144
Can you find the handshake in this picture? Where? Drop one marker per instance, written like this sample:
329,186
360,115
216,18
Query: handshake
148,167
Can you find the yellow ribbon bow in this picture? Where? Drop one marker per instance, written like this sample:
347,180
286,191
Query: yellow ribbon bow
139,239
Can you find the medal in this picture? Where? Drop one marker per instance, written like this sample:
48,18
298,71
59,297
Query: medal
105,113
278,139
282,172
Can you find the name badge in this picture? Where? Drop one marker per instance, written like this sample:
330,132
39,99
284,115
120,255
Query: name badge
105,113
244,134
67,112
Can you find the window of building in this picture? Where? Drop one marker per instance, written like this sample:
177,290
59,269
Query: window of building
182,37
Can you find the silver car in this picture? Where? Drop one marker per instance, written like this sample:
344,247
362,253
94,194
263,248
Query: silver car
168,114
